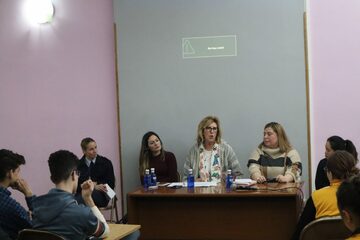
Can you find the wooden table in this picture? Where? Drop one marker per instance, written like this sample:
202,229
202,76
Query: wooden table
213,213
119,231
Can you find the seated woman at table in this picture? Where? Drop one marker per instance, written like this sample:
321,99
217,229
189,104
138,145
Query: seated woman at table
332,144
210,157
340,166
153,155
275,159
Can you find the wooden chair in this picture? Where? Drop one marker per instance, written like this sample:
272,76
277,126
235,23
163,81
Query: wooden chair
32,234
112,207
326,228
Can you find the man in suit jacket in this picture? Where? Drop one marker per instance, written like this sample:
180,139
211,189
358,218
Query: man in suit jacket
97,168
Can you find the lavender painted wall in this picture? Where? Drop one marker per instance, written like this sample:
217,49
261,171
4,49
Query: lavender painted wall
57,84
334,47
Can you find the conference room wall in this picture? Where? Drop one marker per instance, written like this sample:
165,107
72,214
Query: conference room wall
57,84
334,38
161,91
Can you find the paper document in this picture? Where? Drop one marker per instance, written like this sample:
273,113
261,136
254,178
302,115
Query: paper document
110,193
196,184
245,182
175,184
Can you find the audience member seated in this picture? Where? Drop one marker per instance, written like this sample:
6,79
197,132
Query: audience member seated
97,168
332,144
348,199
210,157
13,217
153,155
4,235
340,166
275,159
59,212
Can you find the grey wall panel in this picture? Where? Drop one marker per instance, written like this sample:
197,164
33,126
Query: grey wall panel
161,91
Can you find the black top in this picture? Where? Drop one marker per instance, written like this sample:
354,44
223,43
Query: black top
306,217
321,179
165,169
101,173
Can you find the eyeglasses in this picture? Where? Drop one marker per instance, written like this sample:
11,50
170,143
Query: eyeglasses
209,129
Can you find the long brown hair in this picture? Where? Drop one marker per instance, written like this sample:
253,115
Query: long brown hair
145,152
283,141
342,165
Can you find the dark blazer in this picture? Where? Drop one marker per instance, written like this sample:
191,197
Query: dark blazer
102,173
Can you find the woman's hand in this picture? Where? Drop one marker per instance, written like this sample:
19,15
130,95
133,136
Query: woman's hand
284,179
260,179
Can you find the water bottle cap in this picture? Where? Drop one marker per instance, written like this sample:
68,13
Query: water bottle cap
190,171
229,171
147,171
152,169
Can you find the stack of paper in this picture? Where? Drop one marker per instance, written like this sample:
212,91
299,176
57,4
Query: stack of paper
245,182
110,193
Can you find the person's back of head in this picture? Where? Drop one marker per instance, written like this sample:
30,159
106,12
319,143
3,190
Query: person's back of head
348,199
62,163
9,161
342,165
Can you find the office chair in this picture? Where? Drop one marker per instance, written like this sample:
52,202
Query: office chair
112,207
32,234
326,228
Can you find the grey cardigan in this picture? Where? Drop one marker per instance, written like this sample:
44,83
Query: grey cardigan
227,157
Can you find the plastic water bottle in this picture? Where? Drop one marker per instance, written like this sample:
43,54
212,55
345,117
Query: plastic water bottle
147,179
190,180
229,180
153,177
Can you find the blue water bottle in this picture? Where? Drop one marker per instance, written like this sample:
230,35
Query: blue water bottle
153,177
146,180
229,180
190,180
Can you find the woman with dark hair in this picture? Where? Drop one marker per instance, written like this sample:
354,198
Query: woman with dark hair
153,155
348,199
332,144
340,166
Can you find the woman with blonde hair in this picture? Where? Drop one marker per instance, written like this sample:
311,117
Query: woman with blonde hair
275,159
153,155
210,157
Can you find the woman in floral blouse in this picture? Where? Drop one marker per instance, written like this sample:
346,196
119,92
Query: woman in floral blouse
210,157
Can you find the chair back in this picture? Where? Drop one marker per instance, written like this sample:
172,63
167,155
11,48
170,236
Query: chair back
32,234
112,207
326,228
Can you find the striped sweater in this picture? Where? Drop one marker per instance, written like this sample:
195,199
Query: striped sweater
270,163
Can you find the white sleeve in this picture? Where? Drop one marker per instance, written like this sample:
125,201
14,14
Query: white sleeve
101,218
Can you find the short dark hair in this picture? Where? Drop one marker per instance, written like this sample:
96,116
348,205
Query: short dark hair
61,164
348,195
85,142
9,161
